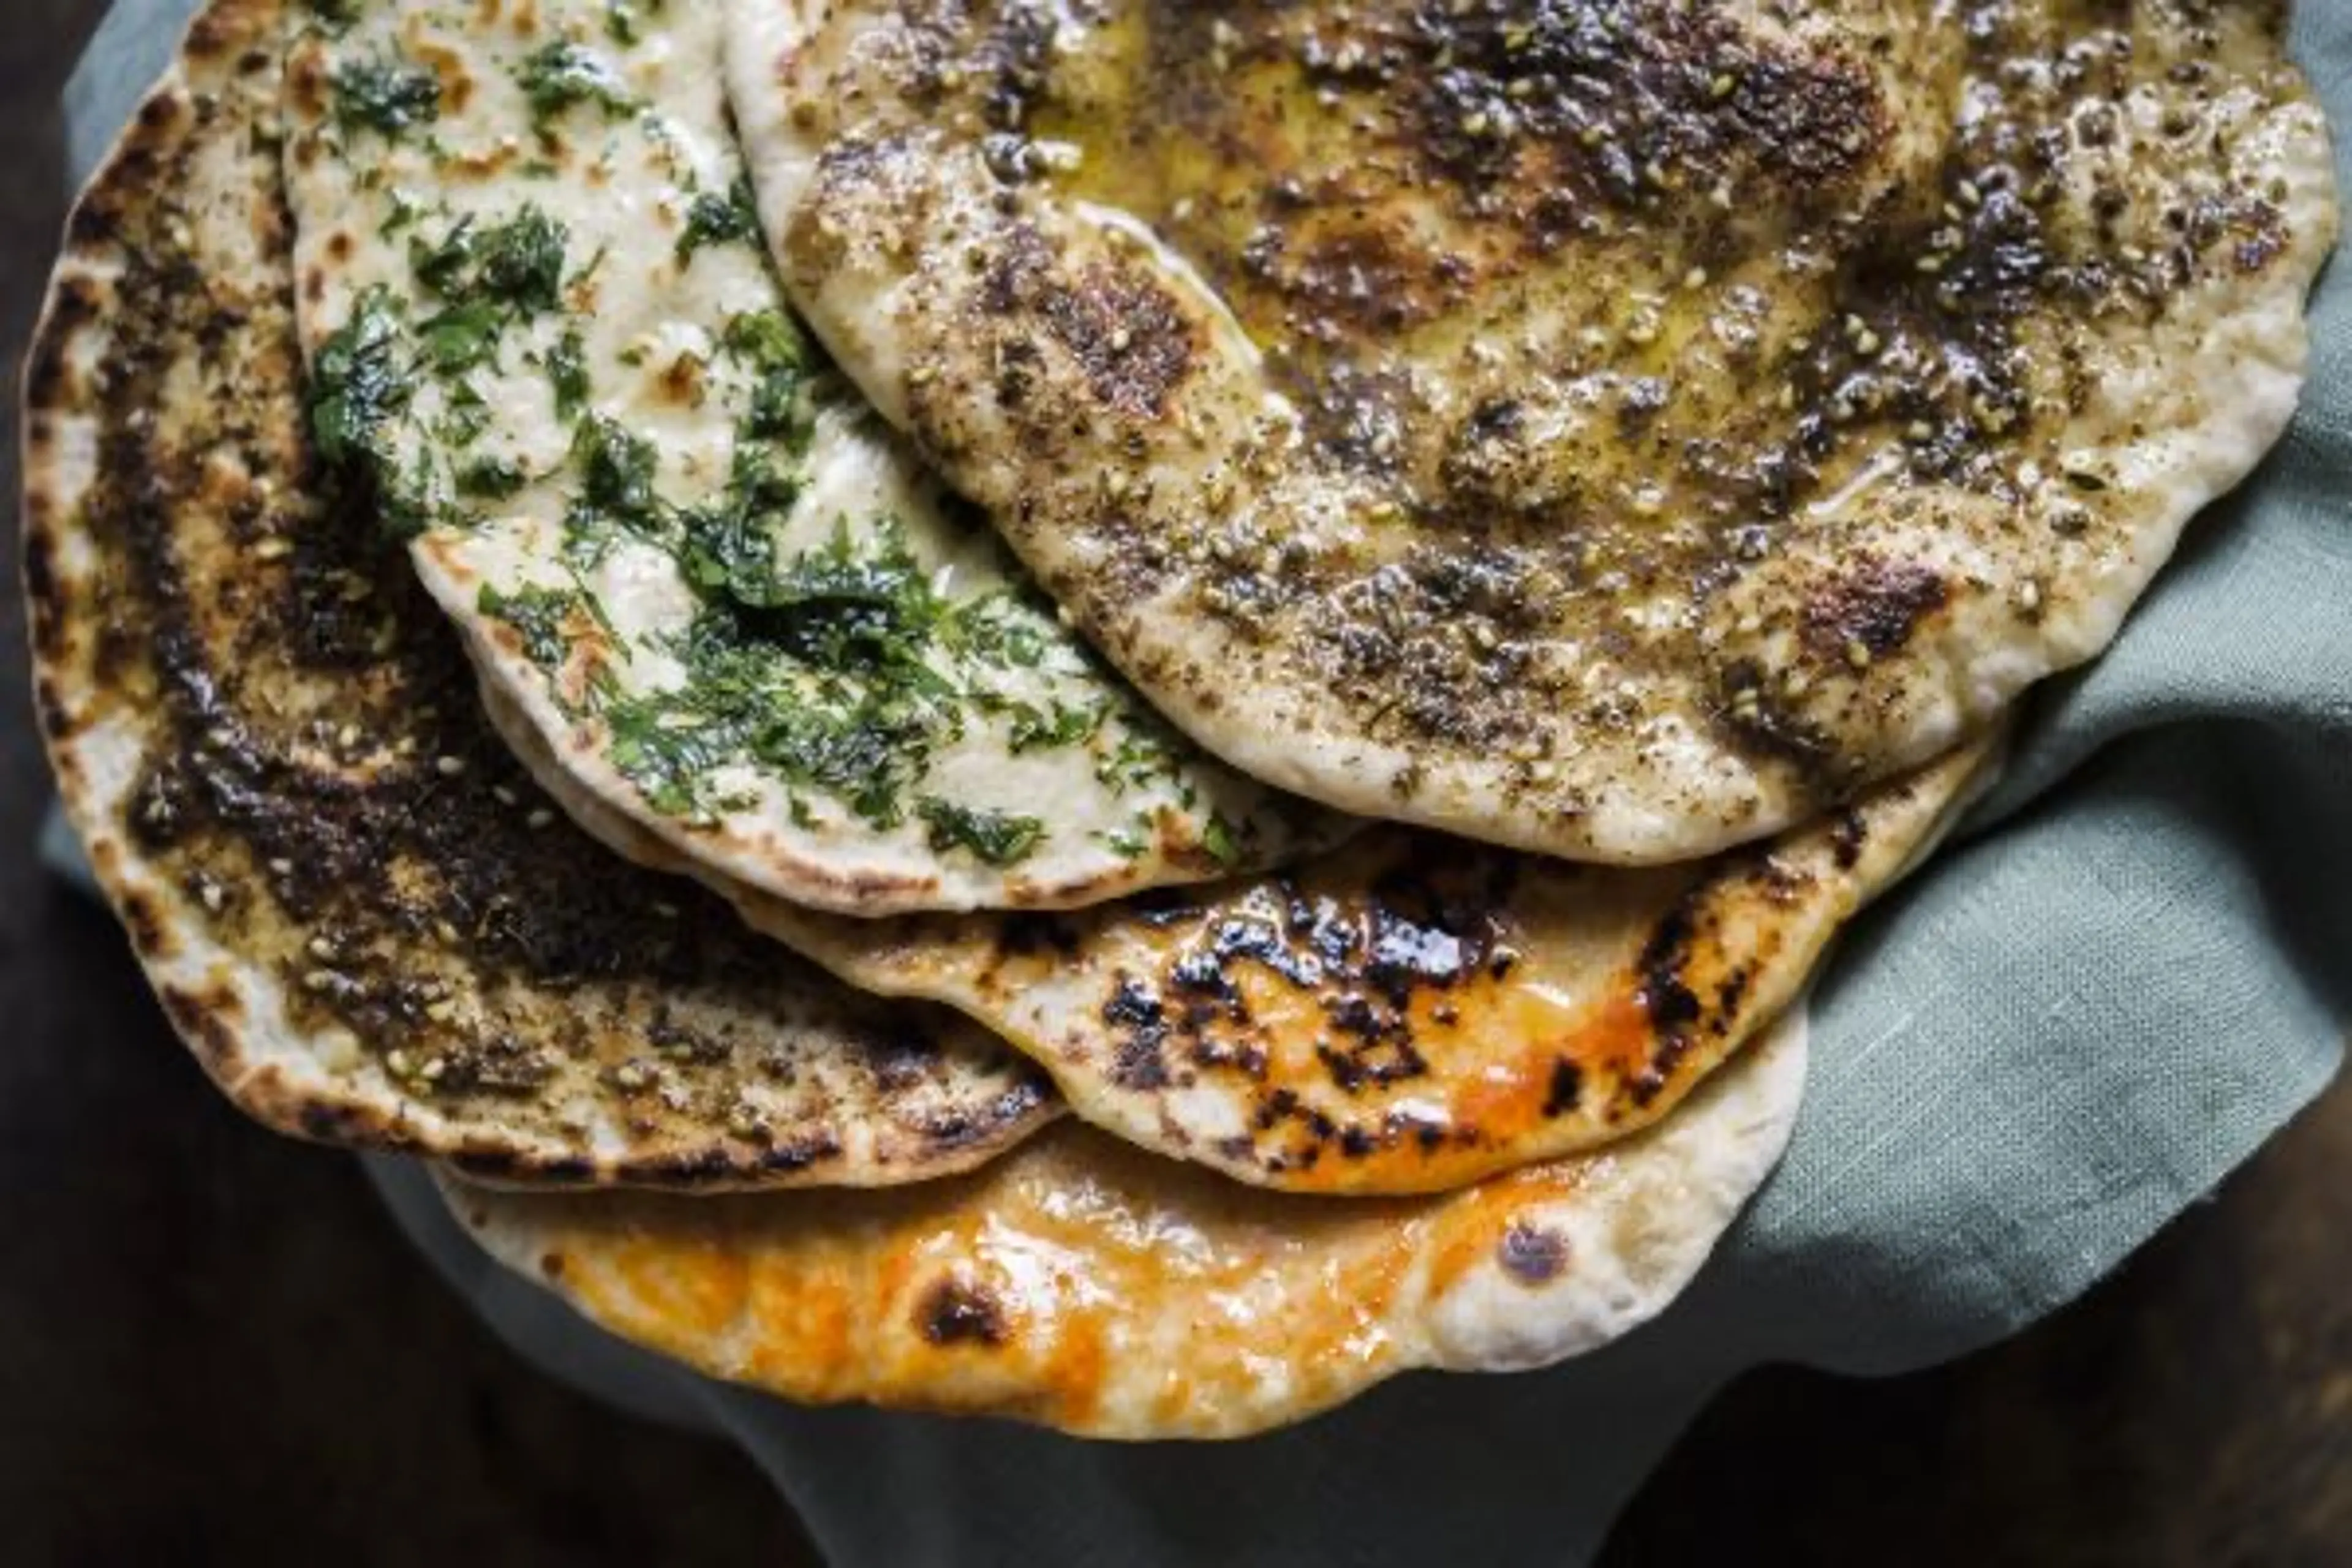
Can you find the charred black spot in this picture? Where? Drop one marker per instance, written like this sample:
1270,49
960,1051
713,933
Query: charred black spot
955,1313
1201,975
900,1062
795,1155
1874,605
1848,833
1254,939
1140,1025
1666,997
1566,1090
1730,993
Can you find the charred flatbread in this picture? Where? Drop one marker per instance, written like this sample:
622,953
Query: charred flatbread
1079,1284
368,925
1617,430
1408,1013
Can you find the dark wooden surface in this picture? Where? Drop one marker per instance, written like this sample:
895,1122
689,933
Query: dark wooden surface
212,1347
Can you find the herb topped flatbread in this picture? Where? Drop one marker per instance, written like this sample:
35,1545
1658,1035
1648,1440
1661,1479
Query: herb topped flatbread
544,328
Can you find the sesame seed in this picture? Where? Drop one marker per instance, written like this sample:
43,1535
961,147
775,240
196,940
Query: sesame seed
1857,653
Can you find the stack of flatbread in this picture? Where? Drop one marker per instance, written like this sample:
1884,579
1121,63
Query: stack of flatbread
1125,713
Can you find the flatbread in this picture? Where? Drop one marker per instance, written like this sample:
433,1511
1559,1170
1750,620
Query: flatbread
1615,431
738,609
1080,1284
369,927
1408,1013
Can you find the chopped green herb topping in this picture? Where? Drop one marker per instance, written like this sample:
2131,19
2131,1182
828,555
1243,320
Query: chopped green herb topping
409,503
740,702
538,615
616,474
557,78
1062,725
1218,839
729,219
517,263
492,478
769,344
386,96
356,384
998,837
462,337
567,371
466,415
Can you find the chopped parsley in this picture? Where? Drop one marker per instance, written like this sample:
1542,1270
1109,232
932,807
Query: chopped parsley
517,263
739,703
406,211
1139,760
769,344
491,478
765,340
999,838
729,219
466,415
387,95
1052,729
357,384
562,75
1217,838
729,548
616,476
538,615
567,371
462,337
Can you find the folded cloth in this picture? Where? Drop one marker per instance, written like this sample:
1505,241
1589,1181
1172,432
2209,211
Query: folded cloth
2125,974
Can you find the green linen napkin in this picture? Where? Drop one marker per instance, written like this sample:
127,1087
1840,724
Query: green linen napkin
2127,973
